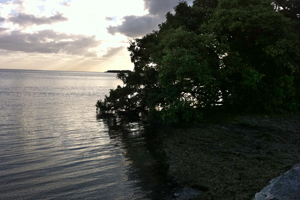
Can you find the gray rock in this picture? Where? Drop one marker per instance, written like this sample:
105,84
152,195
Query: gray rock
185,193
284,187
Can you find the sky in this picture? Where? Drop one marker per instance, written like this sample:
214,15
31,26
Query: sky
75,35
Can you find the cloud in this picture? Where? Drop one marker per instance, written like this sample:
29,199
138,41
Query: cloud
159,7
48,41
135,26
3,29
31,32
109,18
67,4
25,19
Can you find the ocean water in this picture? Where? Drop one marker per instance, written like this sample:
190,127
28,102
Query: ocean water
52,146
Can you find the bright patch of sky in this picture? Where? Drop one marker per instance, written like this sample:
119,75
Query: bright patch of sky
76,35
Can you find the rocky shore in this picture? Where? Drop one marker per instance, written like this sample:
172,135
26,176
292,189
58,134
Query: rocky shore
231,158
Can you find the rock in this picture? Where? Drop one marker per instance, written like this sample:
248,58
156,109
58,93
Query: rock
284,187
184,193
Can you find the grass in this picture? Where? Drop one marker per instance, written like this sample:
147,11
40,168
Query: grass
235,157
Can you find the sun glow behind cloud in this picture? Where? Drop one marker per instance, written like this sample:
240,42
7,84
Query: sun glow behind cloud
76,35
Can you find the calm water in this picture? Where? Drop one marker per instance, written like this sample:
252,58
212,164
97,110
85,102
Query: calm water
53,147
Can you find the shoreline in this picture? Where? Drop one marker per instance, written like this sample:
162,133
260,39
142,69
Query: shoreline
235,158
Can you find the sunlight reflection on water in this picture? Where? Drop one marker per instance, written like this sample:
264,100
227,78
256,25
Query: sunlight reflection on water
53,147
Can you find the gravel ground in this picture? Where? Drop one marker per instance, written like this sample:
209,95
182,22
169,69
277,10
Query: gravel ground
235,157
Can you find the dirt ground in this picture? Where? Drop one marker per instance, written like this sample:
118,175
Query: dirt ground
235,157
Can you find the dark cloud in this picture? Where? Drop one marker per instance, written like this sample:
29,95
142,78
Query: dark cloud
135,26
48,41
159,7
2,19
25,19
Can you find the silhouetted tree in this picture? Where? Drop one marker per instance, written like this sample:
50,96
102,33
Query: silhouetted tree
238,55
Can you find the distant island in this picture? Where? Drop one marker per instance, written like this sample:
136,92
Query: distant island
118,71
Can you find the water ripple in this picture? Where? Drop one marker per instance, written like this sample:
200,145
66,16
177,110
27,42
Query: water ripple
53,147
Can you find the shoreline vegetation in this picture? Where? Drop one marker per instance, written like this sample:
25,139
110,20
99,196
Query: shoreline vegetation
117,71
202,60
223,78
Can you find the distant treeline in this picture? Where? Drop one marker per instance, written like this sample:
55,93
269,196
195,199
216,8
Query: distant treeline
118,71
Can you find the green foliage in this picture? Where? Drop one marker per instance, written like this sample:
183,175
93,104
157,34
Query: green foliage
179,112
232,54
